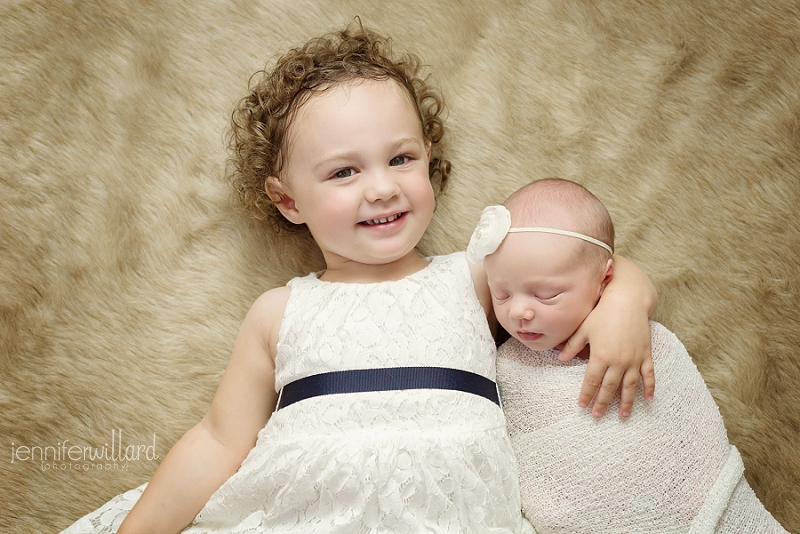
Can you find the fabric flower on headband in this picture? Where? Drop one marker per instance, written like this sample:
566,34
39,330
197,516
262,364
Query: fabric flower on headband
490,232
495,224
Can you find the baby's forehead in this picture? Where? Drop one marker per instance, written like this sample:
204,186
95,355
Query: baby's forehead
533,256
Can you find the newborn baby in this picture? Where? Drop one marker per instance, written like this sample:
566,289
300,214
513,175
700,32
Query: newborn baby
667,468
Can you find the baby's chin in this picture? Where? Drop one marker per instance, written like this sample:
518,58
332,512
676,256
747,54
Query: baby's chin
540,344
543,346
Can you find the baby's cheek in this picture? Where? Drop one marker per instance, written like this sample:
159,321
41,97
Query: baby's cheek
501,316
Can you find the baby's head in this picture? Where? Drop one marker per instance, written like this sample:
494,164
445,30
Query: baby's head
261,134
544,284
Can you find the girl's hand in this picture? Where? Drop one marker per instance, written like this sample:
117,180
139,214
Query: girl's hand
618,331
613,362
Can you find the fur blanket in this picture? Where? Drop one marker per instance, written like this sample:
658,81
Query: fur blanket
125,270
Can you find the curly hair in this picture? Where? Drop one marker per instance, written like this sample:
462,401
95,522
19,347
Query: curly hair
260,120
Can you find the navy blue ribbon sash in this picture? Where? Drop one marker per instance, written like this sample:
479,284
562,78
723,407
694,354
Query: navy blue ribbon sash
387,379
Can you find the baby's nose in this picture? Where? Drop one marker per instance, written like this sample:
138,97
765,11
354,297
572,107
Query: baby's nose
520,312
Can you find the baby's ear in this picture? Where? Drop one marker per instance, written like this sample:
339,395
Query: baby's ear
608,274
278,194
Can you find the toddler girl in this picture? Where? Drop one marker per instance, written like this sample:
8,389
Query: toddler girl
360,398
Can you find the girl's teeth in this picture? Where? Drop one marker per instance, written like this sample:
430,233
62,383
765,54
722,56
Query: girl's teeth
383,219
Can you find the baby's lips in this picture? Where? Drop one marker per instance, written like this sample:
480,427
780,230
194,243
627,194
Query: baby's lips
530,336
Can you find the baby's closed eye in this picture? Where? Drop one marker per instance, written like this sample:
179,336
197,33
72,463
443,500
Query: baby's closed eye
500,296
548,296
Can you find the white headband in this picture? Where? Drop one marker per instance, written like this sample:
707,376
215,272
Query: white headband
495,224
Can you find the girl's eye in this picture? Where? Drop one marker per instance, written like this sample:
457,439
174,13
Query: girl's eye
398,160
344,173
500,296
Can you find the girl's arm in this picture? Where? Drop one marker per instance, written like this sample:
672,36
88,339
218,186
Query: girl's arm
209,453
618,331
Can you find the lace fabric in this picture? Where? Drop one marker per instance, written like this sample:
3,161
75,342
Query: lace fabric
108,517
393,461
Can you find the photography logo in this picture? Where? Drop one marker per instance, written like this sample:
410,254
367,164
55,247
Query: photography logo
66,456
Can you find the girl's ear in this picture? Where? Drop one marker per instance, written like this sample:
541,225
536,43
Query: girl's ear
608,274
428,149
285,203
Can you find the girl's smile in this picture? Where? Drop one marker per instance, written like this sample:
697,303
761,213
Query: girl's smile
382,221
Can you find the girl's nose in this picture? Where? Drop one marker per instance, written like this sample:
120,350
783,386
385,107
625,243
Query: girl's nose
381,186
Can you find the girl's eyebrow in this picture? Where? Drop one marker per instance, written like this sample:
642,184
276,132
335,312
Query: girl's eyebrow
404,141
334,158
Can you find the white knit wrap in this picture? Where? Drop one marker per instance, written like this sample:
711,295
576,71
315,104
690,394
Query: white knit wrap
669,468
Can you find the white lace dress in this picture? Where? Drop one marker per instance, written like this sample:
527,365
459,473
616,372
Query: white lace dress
669,468
394,461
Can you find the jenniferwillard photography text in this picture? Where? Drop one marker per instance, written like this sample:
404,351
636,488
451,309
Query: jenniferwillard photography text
69,456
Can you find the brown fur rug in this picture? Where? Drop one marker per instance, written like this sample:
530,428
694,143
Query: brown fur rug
125,272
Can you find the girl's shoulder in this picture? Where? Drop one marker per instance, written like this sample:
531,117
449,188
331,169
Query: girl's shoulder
267,311
272,303
276,297
309,278
455,266
480,283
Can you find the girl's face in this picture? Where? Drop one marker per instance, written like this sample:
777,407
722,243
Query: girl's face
356,174
541,288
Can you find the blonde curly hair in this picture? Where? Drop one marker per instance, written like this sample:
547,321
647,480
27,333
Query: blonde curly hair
260,120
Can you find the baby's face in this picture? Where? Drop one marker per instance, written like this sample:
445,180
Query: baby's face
541,290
